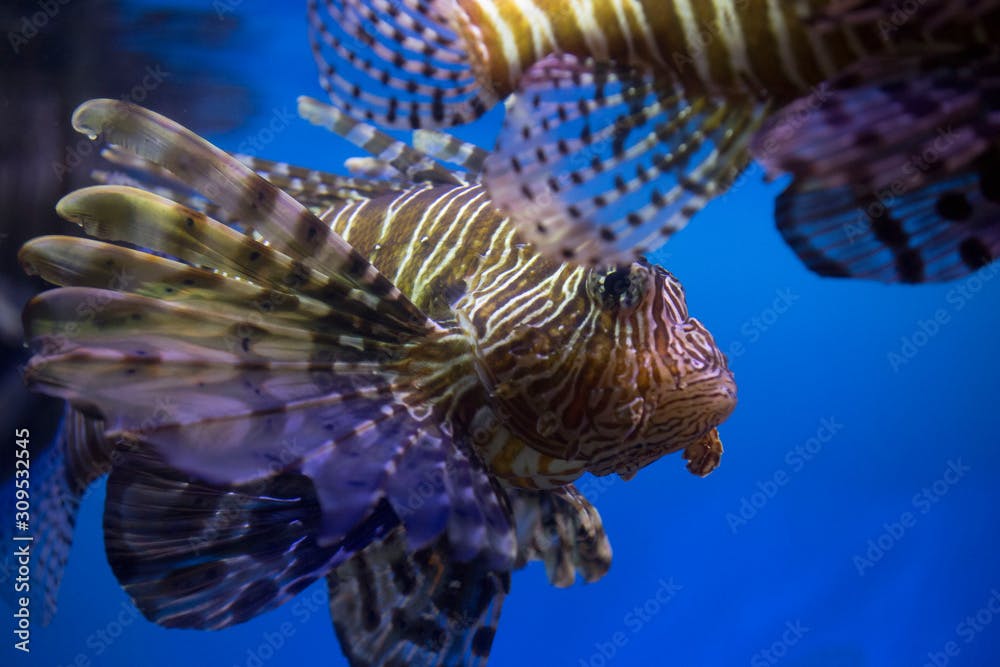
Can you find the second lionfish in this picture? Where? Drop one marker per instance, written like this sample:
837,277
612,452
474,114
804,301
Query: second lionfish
395,394
630,115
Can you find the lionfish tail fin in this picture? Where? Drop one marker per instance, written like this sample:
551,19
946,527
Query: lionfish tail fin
416,71
60,478
399,609
562,529
245,352
896,177
598,163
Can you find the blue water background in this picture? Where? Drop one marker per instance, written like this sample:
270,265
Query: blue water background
832,535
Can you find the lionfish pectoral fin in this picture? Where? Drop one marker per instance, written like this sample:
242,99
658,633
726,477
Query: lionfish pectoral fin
704,455
599,162
241,357
197,555
60,477
416,71
895,177
394,608
561,528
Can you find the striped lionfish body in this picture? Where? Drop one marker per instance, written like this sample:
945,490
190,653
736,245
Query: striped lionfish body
625,117
383,386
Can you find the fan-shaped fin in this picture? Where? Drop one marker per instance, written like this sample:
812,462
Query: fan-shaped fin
415,71
598,163
941,231
197,555
895,178
396,609
286,225
561,528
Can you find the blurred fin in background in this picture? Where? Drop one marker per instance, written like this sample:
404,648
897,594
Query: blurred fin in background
54,56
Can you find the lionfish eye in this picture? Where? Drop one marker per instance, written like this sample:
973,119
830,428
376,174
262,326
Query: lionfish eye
620,287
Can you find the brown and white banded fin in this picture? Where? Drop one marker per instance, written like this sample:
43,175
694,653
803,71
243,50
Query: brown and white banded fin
243,196
895,177
117,213
415,71
415,166
561,528
942,231
393,608
447,148
60,476
599,163
319,188
196,555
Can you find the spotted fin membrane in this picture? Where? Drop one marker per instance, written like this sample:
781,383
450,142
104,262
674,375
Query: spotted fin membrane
896,172
599,163
395,63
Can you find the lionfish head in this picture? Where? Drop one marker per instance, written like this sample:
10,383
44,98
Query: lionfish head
614,374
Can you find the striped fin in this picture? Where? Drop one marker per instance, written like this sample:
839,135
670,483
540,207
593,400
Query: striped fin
447,148
395,609
894,172
313,385
941,231
116,213
235,402
319,188
415,71
73,261
60,477
599,163
242,195
561,528
196,555
887,124
415,166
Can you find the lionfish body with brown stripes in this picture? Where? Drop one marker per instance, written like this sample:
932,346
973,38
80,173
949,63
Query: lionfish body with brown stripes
291,375
625,117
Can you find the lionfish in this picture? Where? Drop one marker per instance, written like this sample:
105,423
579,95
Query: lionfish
628,116
395,393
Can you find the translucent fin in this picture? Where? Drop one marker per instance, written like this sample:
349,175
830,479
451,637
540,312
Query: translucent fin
563,530
415,166
414,71
895,171
941,231
196,555
60,477
599,163
295,368
887,124
395,609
